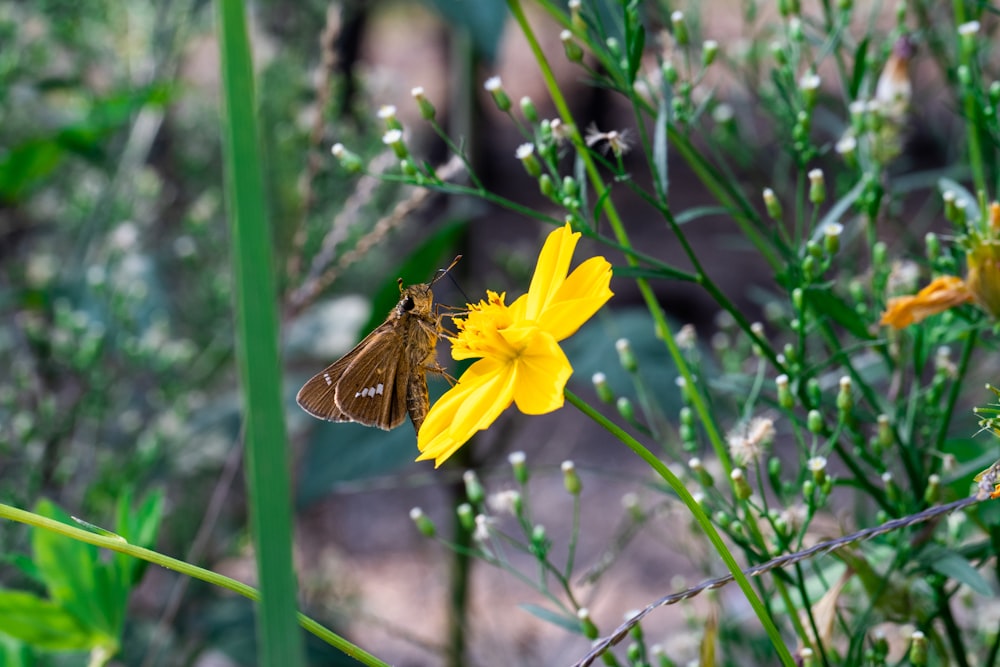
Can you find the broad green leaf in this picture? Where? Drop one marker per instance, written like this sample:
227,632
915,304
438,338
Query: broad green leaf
482,19
26,165
69,569
43,624
953,566
139,527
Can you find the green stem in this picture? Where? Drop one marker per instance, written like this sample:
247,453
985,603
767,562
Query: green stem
951,627
119,545
652,303
699,515
956,388
971,109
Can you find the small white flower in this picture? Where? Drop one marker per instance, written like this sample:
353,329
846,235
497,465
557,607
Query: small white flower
723,113
493,84
525,150
482,530
687,337
392,137
847,144
968,29
816,464
810,82
125,236
504,502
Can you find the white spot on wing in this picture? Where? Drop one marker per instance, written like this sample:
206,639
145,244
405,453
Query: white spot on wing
329,381
370,391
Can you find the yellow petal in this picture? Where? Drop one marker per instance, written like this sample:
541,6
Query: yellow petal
983,277
484,391
551,270
541,375
943,293
580,296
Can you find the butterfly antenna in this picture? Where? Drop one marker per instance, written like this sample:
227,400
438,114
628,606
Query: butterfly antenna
442,272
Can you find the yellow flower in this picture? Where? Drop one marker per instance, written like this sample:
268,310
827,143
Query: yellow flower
942,294
520,360
983,276
981,284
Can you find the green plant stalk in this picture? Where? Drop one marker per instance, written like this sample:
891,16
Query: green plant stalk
729,197
268,470
956,388
699,515
662,327
952,630
659,318
970,109
119,545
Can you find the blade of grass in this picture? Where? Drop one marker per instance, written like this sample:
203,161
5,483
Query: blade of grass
279,641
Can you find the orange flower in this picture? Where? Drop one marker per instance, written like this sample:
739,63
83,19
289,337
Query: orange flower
981,284
943,293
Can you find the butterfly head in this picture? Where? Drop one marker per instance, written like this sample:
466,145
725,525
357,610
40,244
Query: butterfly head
414,300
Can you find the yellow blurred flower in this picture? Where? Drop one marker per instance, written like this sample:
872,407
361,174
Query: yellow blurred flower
942,294
981,284
520,360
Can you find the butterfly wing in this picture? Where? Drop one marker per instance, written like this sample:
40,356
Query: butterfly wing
372,390
318,396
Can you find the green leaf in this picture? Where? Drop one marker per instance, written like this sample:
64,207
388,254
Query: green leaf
661,147
972,211
256,332
549,616
691,214
635,41
68,567
43,624
827,304
140,528
26,165
953,566
483,19
14,653
837,211
860,67
419,267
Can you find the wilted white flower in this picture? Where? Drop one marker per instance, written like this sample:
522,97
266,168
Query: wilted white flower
614,141
749,442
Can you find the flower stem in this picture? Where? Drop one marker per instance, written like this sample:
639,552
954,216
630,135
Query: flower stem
121,546
699,515
600,194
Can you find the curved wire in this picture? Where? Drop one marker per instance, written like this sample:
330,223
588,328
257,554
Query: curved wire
986,488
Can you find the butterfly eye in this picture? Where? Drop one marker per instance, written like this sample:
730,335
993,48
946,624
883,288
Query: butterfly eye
408,303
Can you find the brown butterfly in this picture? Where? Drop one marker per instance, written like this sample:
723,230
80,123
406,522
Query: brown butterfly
385,376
